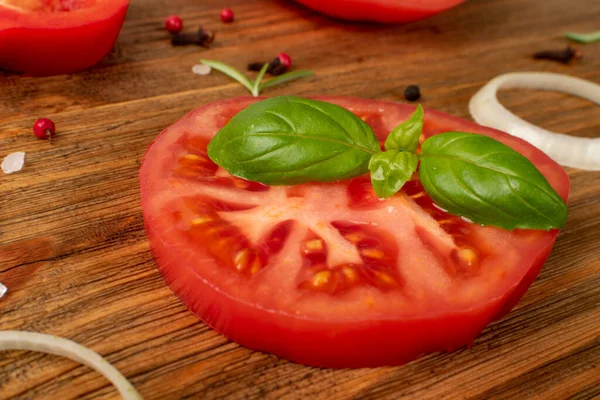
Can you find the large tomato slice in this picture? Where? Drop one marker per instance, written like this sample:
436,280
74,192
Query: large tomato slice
51,37
327,274
386,11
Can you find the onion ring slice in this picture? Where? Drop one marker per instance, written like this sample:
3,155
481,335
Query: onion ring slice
570,151
32,341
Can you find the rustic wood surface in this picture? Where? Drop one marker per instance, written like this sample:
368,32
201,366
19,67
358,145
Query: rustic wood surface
74,254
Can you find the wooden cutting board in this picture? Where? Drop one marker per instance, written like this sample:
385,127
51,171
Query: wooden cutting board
74,254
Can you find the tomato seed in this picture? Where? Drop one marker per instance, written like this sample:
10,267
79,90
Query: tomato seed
373,253
256,266
240,260
355,237
467,255
321,279
193,157
201,220
385,279
313,245
350,274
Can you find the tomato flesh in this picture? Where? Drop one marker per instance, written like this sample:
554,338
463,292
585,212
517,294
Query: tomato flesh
384,11
328,274
51,37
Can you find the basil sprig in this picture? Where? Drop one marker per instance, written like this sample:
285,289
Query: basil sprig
289,140
391,169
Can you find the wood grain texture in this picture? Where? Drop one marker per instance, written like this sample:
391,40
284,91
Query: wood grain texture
74,254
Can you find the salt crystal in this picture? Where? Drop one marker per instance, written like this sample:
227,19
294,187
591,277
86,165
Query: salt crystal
13,162
201,69
3,290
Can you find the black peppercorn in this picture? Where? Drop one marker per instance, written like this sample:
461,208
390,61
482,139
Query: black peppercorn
412,93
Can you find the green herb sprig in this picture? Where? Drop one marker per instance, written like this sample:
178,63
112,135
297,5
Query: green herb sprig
289,140
589,37
257,86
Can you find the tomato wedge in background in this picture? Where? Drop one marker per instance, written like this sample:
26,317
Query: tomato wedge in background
52,37
385,11
327,274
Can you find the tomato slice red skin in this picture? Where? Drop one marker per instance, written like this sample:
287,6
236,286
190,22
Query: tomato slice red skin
42,44
339,343
383,11
519,291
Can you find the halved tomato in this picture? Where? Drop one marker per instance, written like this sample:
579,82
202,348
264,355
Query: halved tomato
386,11
51,37
328,274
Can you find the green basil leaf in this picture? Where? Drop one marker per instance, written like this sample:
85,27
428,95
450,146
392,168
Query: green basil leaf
289,140
390,170
488,182
406,135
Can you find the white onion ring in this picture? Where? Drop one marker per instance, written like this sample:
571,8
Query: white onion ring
21,340
570,151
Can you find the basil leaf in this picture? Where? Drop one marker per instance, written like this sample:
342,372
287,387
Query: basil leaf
390,170
488,182
406,135
289,140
